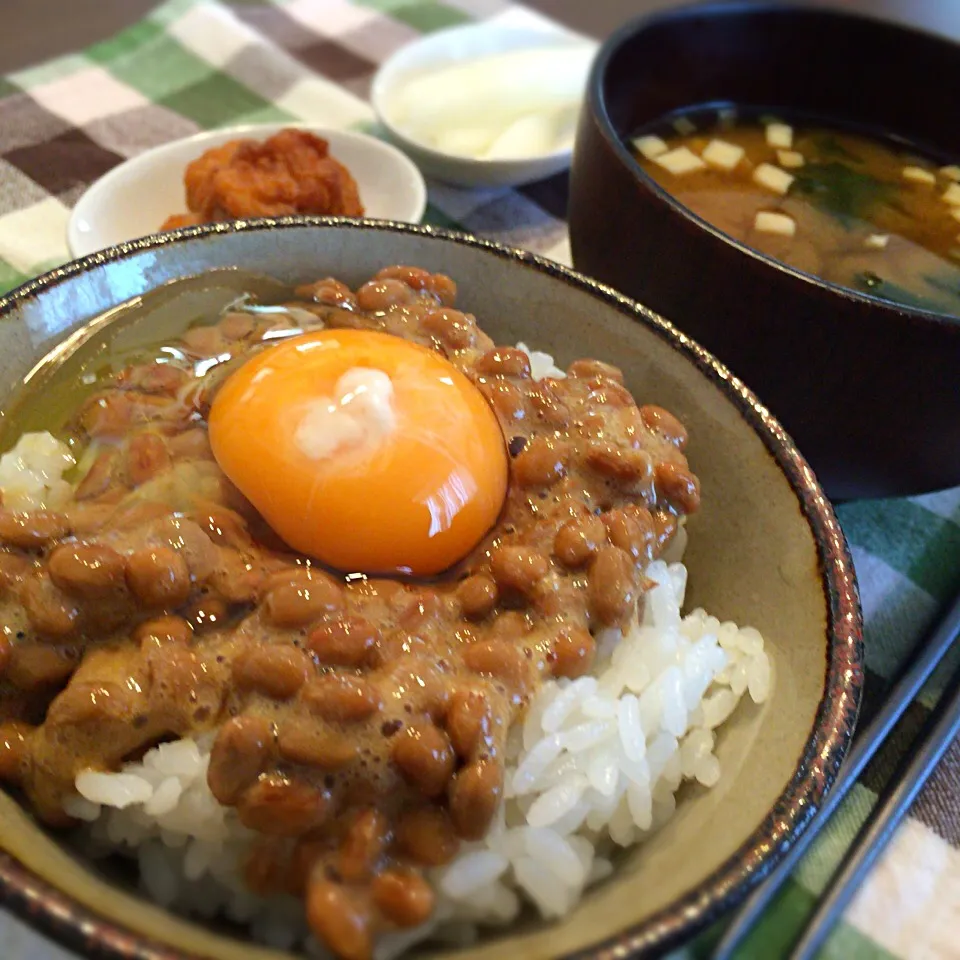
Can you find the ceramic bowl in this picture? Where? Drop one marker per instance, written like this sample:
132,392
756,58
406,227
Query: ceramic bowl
134,199
765,549
457,45
865,387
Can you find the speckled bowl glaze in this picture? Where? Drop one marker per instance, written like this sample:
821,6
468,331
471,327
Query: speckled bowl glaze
765,549
866,388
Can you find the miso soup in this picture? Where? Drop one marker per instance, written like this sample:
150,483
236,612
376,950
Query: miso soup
862,212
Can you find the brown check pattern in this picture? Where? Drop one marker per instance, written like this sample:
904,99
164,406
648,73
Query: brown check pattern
198,64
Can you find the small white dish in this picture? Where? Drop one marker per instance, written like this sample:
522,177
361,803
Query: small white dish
459,45
135,198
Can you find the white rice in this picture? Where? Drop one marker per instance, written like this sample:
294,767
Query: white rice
594,766
31,474
541,364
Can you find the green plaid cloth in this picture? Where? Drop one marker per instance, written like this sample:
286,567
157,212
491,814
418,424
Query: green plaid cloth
195,65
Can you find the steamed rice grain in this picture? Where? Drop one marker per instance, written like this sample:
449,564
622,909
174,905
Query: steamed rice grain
31,474
594,766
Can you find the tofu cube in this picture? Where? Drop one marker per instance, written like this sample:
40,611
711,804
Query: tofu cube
650,146
790,158
952,195
680,160
773,178
918,175
780,135
723,155
767,221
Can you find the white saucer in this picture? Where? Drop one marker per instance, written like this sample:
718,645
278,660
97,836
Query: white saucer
134,199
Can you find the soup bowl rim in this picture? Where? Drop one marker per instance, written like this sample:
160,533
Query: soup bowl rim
596,103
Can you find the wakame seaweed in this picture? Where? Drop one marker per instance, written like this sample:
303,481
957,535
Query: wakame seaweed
829,146
841,191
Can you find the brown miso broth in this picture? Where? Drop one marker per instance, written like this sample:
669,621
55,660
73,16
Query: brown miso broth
863,212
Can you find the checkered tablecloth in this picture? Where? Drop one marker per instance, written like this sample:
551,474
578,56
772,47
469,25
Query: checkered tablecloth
195,64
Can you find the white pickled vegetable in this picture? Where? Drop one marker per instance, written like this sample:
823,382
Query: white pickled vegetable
466,107
462,141
529,136
877,241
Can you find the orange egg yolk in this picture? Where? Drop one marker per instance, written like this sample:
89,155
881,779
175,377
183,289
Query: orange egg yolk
368,452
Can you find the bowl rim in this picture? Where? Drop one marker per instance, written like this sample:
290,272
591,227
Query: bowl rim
38,902
596,102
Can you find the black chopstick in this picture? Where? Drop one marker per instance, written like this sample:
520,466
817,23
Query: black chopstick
869,740
913,772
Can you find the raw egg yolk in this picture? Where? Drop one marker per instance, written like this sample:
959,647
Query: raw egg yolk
363,450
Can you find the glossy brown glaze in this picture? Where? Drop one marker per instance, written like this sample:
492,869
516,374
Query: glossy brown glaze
290,172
